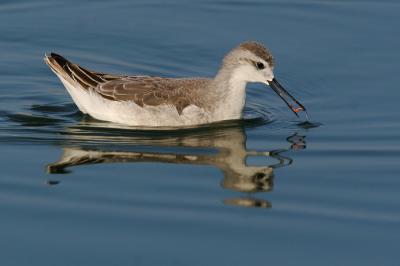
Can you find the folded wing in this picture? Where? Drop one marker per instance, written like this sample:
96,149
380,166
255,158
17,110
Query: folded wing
150,91
143,90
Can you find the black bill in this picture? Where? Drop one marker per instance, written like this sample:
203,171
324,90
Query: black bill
290,101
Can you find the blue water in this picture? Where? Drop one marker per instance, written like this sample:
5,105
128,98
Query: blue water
77,191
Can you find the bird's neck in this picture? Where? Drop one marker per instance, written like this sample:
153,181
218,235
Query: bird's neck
231,89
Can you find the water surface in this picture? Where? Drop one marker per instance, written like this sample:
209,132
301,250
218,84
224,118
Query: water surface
266,190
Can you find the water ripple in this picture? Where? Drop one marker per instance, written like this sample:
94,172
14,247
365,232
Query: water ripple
52,119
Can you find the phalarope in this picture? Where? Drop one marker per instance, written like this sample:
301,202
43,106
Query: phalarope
171,102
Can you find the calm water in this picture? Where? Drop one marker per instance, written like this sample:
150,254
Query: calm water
266,190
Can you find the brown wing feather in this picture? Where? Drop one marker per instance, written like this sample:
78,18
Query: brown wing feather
84,77
143,90
147,91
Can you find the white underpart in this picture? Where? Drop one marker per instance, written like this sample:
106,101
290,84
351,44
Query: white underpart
129,113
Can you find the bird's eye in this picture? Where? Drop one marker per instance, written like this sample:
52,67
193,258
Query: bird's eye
259,176
260,65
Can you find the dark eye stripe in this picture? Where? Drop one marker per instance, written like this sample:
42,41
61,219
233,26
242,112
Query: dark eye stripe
260,65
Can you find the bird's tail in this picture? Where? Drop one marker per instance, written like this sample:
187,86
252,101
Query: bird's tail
72,72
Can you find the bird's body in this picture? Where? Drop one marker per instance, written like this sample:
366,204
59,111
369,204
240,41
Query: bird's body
171,102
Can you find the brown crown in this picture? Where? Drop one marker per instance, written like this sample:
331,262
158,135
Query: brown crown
259,50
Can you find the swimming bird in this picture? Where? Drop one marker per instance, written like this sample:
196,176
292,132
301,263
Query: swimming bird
148,101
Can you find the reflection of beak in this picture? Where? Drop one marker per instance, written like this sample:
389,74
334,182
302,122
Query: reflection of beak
290,101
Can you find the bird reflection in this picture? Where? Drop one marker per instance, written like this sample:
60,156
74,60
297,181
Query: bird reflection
226,150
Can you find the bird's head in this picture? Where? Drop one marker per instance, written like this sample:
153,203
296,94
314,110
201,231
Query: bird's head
252,62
